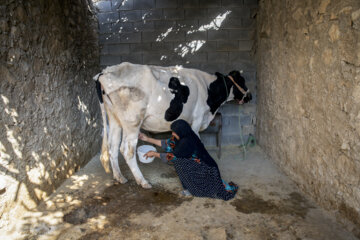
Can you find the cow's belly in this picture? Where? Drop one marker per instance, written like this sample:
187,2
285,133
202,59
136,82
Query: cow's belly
157,123
154,120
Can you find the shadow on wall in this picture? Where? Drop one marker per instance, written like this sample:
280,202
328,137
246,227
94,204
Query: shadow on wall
48,106
27,167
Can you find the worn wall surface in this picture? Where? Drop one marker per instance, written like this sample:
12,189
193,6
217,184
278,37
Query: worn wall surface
48,106
213,36
308,116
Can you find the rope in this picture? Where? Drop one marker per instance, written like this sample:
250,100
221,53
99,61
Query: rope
227,94
251,142
242,141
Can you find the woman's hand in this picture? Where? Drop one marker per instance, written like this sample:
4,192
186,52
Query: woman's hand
148,139
143,137
151,154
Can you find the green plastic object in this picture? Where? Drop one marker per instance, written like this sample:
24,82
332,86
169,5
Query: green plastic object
251,141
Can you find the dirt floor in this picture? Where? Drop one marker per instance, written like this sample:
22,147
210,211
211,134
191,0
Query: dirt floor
90,205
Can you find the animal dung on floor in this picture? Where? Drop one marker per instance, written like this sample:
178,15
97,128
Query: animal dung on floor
144,149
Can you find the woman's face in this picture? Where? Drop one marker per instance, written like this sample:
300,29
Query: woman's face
175,135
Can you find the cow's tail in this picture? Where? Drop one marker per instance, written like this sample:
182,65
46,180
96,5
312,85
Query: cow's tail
104,157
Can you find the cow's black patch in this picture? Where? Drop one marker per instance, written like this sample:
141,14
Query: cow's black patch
181,96
218,92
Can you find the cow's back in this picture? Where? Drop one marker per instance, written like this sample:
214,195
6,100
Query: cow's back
125,74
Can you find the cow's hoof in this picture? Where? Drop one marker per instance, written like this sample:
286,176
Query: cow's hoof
121,180
146,185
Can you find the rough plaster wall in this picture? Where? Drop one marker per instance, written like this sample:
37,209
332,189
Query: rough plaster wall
49,109
213,36
308,112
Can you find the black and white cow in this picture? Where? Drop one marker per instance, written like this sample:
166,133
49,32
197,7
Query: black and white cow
150,97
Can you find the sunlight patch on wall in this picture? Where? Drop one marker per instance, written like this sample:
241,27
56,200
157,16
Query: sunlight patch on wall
35,156
162,36
190,47
64,149
124,19
118,4
194,46
16,146
84,109
144,16
4,155
37,173
213,25
5,99
11,112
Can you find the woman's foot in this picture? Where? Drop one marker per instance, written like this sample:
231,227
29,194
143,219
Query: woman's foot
185,193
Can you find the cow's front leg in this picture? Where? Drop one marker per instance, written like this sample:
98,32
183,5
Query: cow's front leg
128,150
115,139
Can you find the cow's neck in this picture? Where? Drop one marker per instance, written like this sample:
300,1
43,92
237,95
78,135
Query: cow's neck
218,92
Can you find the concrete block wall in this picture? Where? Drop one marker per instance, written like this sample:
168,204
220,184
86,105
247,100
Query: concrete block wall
213,36
309,97
49,113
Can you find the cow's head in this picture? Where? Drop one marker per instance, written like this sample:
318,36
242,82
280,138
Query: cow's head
241,92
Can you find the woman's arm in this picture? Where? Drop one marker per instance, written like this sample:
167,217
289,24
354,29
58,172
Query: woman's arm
152,154
164,157
145,138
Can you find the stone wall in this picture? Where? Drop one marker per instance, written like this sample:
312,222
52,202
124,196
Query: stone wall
49,110
213,36
308,115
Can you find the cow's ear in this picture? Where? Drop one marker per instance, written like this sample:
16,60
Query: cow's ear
235,74
219,75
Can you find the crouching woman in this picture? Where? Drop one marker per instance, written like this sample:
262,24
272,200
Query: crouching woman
197,170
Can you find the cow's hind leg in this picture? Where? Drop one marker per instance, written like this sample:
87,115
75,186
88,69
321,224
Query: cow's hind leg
104,157
115,140
128,147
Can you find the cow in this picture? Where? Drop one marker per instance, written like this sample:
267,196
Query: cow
134,97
